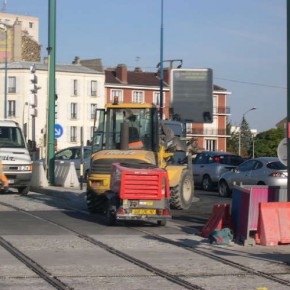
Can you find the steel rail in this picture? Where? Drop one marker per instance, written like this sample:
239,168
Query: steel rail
172,278
35,267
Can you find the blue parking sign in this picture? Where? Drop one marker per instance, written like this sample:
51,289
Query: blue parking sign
58,131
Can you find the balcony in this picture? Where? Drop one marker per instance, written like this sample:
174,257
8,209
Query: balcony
206,132
222,110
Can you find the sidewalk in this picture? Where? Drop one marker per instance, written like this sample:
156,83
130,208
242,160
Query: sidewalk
57,190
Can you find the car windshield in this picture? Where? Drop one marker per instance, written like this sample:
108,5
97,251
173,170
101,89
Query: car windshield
11,137
276,165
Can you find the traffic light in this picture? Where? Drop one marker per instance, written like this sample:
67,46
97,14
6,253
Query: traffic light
56,108
33,91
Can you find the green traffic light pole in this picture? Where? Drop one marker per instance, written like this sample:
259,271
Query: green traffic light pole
51,89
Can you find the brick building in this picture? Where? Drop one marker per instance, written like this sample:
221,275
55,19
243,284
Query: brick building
138,86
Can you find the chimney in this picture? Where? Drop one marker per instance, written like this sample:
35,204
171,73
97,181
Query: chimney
121,73
138,69
77,60
166,75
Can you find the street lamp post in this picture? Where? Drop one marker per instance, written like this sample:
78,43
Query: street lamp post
161,65
4,28
254,108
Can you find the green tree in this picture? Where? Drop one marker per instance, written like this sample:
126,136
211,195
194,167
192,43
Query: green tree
246,139
266,143
233,141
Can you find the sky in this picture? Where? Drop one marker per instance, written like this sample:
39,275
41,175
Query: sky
244,42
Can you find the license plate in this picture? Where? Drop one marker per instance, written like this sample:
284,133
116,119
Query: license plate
11,181
143,211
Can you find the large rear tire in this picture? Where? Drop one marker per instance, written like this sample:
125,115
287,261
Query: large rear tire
111,219
182,195
96,203
23,190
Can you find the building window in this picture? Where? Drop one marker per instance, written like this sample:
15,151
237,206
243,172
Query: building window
93,110
73,134
210,145
188,128
30,24
11,108
92,132
73,111
116,93
11,85
138,97
156,98
75,88
93,88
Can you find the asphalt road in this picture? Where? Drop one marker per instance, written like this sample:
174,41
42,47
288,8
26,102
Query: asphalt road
57,235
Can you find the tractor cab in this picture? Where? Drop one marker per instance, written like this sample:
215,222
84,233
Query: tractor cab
126,127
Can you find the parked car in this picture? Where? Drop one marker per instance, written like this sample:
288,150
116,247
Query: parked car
257,171
74,154
208,166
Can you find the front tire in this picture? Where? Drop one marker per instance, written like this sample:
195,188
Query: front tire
224,190
161,223
96,203
182,195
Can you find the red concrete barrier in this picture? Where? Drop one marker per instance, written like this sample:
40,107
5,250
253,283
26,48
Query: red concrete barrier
219,219
273,224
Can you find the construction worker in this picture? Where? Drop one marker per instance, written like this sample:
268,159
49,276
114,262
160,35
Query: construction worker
3,179
134,140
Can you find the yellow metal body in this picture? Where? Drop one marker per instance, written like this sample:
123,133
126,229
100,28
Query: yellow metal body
99,183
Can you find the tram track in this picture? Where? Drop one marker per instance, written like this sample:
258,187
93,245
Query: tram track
45,275
34,266
176,279
236,265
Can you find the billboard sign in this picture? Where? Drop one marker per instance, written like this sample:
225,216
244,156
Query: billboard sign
192,95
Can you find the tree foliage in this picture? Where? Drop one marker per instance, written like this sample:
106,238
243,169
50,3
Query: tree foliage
246,139
266,143
233,141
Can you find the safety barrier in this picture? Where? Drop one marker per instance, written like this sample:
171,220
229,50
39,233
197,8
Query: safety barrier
65,174
219,219
274,224
245,208
38,178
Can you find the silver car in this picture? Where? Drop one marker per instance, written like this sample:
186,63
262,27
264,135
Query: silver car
74,154
208,166
258,171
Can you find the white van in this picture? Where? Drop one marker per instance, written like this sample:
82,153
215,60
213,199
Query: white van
15,157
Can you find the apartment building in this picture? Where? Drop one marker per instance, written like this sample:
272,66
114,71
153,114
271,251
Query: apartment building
79,91
138,86
213,136
29,24
19,38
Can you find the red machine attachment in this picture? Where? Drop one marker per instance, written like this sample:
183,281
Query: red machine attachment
139,192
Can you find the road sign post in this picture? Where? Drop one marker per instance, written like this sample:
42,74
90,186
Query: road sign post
58,131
